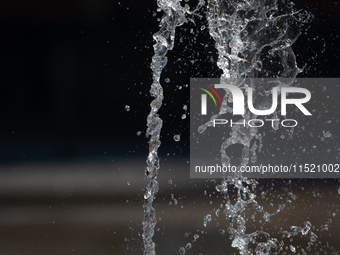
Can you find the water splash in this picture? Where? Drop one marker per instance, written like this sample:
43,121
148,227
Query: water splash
174,16
253,40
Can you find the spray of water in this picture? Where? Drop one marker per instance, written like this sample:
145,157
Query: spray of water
253,39
174,16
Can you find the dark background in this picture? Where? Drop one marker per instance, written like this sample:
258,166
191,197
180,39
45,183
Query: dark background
67,71
68,68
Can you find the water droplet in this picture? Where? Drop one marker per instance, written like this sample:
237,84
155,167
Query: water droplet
170,181
182,250
188,246
221,231
266,216
184,117
313,237
177,138
258,65
127,108
206,219
129,183
339,191
167,80
139,133
202,28
327,134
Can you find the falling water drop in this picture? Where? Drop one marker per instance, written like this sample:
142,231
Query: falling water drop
221,231
177,138
127,108
188,246
185,108
182,250
206,219
327,134
258,65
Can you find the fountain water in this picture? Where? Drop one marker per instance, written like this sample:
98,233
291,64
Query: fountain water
174,16
253,39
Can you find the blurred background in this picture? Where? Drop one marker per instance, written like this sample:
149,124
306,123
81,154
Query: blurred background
71,156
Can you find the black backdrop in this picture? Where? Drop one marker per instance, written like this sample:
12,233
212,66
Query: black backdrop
68,68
